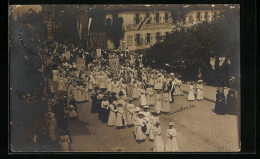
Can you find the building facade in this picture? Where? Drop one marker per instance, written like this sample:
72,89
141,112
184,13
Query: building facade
143,25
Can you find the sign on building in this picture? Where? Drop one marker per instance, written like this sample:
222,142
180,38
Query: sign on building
98,52
114,63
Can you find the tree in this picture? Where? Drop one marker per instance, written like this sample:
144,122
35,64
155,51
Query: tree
195,45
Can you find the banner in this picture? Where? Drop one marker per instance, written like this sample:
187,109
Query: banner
98,52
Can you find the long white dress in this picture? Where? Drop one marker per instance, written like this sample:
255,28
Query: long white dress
130,113
191,96
64,142
199,92
140,135
158,103
158,140
171,144
147,116
150,97
143,98
166,103
112,115
120,117
136,92
153,121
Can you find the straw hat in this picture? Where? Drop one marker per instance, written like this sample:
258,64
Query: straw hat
200,81
171,124
146,107
141,113
100,96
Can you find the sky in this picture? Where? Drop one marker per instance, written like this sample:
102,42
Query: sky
23,8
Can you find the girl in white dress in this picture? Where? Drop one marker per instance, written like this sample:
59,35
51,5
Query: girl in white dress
112,113
171,144
55,75
120,116
158,102
136,91
199,90
166,103
139,128
191,96
158,140
153,120
143,97
130,109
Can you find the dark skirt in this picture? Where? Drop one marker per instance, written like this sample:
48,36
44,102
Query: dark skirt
104,114
232,105
220,108
94,108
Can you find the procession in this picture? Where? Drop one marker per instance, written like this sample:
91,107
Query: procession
87,98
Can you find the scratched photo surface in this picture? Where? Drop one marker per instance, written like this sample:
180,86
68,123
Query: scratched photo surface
124,78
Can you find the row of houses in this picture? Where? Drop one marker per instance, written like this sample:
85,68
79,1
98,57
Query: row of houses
143,25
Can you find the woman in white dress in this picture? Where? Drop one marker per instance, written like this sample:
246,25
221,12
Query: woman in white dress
136,91
166,102
158,102
199,95
171,144
143,97
147,116
158,140
120,116
130,110
64,142
140,128
153,120
191,96
112,113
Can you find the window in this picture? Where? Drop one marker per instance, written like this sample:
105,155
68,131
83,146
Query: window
206,16
157,17
138,39
129,40
148,38
137,20
147,16
198,16
166,17
157,36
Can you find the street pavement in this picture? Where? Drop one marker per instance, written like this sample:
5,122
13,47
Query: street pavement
199,129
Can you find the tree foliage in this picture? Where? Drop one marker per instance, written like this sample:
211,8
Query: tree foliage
198,43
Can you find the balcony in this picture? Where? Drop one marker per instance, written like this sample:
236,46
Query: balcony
133,27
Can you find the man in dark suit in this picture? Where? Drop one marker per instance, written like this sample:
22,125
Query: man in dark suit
171,89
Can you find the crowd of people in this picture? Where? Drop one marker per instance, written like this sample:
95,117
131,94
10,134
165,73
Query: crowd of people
82,76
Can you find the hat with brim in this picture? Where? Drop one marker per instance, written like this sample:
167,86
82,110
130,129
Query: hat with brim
49,115
70,106
171,124
137,109
100,96
154,112
146,107
200,81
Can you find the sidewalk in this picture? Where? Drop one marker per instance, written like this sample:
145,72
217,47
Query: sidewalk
209,92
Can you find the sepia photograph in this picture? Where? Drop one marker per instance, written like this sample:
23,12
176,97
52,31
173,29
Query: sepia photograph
124,78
